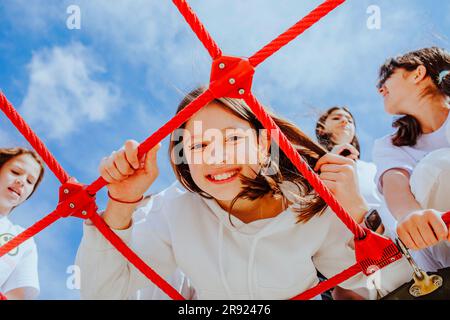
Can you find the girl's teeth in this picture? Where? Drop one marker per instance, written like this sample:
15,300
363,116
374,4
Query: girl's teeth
223,176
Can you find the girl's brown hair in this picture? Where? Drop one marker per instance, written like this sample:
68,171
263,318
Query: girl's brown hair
437,63
7,154
325,138
265,182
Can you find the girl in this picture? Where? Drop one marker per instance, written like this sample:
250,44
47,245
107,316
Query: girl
336,131
413,163
241,230
21,171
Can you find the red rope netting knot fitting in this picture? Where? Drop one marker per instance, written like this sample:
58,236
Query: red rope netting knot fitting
374,252
231,77
3,297
75,201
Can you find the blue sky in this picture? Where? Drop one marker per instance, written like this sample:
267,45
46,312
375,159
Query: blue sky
122,74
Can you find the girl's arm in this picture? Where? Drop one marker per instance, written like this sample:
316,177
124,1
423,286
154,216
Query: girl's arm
397,193
105,274
417,228
16,294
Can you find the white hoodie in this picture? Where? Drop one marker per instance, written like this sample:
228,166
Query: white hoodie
273,258
19,267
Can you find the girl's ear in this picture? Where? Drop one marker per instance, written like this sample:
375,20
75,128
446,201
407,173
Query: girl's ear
419,74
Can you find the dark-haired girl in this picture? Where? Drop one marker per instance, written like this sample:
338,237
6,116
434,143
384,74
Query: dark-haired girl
414,163
336,131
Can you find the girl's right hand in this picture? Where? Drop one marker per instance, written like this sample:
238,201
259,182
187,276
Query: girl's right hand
422,229
129,177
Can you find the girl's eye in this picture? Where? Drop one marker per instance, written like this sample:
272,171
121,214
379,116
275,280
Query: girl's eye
198,146
233,138
15,172
29,182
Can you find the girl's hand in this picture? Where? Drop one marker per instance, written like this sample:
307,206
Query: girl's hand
422,229
341,149
339,175
129,177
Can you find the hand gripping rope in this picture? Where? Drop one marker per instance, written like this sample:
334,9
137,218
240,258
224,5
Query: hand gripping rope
230,77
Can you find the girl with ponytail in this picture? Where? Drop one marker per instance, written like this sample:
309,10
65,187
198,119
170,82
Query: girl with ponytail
413,163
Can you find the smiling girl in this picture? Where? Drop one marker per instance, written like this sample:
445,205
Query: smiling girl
414,162
247,226
21,171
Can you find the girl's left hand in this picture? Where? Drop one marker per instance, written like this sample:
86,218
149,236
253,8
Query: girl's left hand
339,175
340,149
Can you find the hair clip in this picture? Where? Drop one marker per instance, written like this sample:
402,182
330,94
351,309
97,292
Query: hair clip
442,75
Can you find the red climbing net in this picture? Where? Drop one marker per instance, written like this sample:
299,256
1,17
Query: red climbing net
230,77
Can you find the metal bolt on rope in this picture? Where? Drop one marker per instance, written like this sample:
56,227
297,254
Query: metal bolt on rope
66,191
222,65
84,212
71,205
241,91
232,81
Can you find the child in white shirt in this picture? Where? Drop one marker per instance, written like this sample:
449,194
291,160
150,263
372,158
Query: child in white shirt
21,171
413,163
246,225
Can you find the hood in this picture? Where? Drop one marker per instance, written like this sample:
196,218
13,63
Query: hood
254,231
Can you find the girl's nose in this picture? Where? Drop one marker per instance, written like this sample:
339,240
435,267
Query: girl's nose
19,182
217,155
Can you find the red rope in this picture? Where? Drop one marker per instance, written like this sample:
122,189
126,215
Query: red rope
28,233
198,28
133,258
328,284
33,139
3,297
303,167
162,132
293,32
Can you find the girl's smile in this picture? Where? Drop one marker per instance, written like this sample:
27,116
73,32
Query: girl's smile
223,176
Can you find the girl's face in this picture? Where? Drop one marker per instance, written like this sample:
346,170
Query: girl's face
341,126
18,176
399,92
218,146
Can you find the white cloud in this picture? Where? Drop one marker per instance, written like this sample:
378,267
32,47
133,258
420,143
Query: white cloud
63,91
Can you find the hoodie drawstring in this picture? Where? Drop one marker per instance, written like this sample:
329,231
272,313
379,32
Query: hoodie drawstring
222,272
251,263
